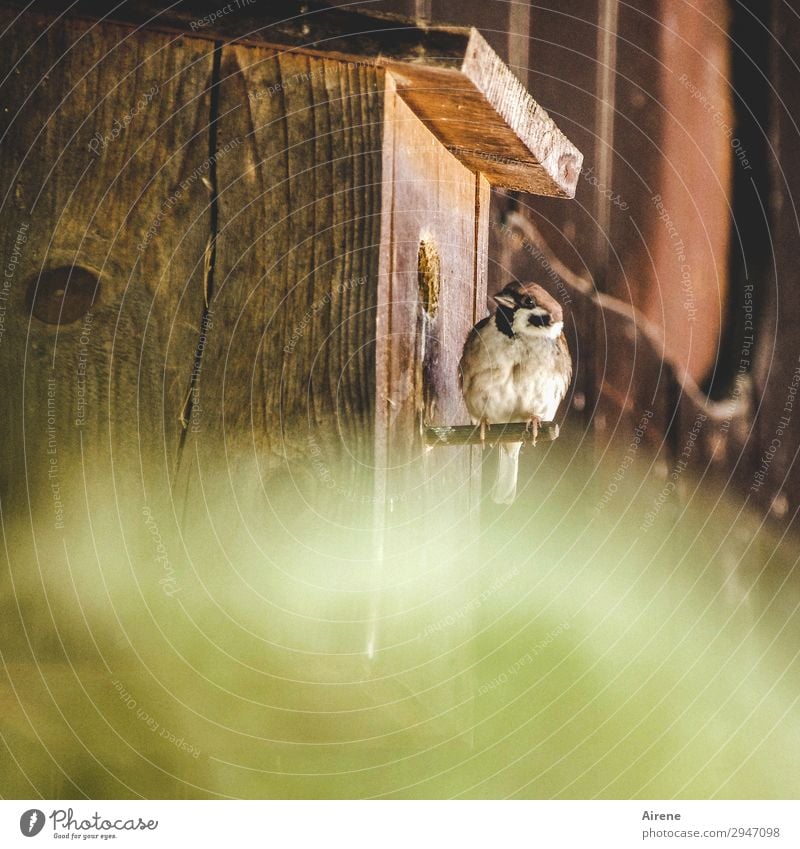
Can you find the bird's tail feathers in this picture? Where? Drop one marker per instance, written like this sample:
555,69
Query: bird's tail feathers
505,485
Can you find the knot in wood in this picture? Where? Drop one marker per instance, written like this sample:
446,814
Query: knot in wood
62,295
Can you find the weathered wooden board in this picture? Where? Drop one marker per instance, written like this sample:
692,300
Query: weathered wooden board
455,81
525,150
678,128
102,133
432,290
101,127
288,366
305,25
432,279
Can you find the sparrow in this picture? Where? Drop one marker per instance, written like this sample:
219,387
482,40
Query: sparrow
515,367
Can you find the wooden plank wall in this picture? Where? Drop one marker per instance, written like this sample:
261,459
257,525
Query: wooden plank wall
288,368
82,191
95,191
102,127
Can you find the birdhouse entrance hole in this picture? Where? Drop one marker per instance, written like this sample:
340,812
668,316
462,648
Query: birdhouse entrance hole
428,276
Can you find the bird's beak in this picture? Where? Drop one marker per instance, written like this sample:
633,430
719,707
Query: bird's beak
504,301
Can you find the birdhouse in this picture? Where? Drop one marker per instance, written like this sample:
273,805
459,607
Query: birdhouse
247,238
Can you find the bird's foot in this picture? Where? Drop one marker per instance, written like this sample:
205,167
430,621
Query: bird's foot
483,433
533,427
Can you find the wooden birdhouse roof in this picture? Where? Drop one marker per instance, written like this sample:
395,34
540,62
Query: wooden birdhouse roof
450,76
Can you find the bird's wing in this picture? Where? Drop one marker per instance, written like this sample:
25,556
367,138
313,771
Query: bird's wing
469,344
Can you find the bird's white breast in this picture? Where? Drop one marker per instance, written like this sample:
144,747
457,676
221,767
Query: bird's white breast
512,379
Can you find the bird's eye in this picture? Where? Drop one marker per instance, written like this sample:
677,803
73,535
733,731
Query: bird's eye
528,302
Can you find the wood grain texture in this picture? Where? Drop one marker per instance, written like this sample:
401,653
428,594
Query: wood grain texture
484,115
432,282
288,367
99,131
303,25
91,399
431,199
450,76
563,74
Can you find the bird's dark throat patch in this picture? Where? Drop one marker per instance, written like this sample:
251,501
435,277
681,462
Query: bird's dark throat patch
503,318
